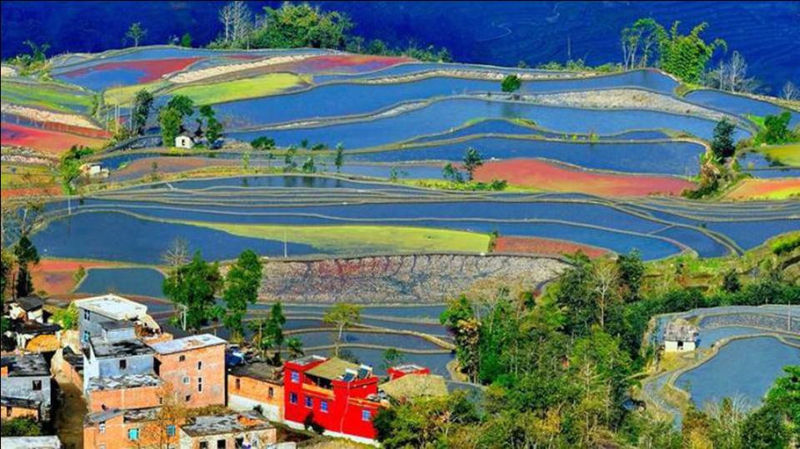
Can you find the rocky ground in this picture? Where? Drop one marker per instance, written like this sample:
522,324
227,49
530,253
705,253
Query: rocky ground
402,279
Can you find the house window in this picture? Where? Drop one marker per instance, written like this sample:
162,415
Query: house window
186,380
170,430
85,336
200,384
293,398
133,434
37,385
295,376
238,384
271,393
199,366
309,402
221,444
188,397
182,358
86,314
8,412
204,445
238,443
323,406
102,427
365,415
123,364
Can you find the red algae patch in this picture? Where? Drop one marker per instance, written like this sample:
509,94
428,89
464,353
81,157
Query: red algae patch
555,178
348,63
57,276
149,69
774,189
550,247
45,140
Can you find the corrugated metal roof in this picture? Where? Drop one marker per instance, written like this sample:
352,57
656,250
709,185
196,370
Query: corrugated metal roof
187,343
332,369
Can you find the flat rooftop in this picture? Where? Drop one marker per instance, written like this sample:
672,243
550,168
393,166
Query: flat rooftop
236,422
103,348
26,365
113,306
29,303
187,343
125,381
260,371
303,361
42,442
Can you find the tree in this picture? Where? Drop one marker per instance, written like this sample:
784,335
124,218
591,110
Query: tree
339,160
606,279
730,281
644,34
161,431
21,427
295,347
776,129
511,83
765,429
6,268
67,318
263,143
177,254
732,75
213,126
241,288
686,56
631,271
302,25
136,33
451,173
186,40
342,315
725,419
26,254
784,396
392,357
171,122
790,91
309,166
182,104
193,286
472,160
142,103
722,145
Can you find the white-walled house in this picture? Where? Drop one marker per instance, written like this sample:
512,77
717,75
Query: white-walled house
680,336
184,141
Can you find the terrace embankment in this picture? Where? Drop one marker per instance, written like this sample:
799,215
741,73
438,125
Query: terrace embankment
402,279
474,74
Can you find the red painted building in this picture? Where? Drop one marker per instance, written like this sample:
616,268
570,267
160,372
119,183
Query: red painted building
340,396
397,372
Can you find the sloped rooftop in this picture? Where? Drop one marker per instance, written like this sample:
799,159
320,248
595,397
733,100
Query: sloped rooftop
680,330
103,348
413,386
187,343
260,371
236,422
26,365
125,381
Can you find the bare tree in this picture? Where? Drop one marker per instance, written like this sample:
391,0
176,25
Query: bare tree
732,75
644,34
177,254
789,91
226,18
606,277
20,216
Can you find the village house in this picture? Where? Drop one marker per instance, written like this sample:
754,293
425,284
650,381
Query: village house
195,368
29,308
72,366
184,140
101,315
94,170
130,391
257,384
112,357
25,389
240,430
680,336
337,395
33,335
408,382
115,428
40,442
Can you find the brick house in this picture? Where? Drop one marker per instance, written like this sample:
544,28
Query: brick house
195,368
131,391
25,389
257,384
240,430
340,396
115,428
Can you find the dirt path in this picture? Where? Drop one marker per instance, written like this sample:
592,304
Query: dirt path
70,414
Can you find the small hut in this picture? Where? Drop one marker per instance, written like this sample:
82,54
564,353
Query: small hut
184,140
680,336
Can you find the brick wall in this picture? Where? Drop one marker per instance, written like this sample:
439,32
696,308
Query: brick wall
123,398
185,375
18,412
245,392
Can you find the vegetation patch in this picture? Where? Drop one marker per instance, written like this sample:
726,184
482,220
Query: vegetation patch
243,88
784,154
45,96
768,189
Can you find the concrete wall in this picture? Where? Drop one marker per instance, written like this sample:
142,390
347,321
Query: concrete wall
262,438
90,325
21,387
106,367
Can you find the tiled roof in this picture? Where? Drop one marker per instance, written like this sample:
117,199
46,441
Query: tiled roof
26,365
124,381
237,422
187,343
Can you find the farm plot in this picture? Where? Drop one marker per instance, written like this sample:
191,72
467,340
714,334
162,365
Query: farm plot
131,281
124,73
45,95
738,104
442,115
45,140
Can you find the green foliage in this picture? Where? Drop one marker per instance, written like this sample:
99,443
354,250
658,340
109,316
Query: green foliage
26,254
640,43
339,160
69,166
309,166
472,160
67,318
263,143
722,145
776,130
182,104
171,121
34,62
136,33
6,267
785,244
784,396
730,281
392,357
213,126
342,315
142,103
765,429
686,56
301,25
241,288
451,173
193,286
631,271
268,335
186,40
511,83
21,427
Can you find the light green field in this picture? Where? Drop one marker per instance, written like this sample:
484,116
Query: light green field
45,96
785,154
358,238
15,176
258,86
124,95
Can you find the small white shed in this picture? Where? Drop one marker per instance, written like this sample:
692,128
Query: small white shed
184,141
680,336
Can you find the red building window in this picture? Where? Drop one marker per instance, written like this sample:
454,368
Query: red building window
309,402
365,415
293,398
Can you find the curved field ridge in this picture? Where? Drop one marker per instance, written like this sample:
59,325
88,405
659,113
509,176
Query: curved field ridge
550,247
552,177
124,73
48,141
